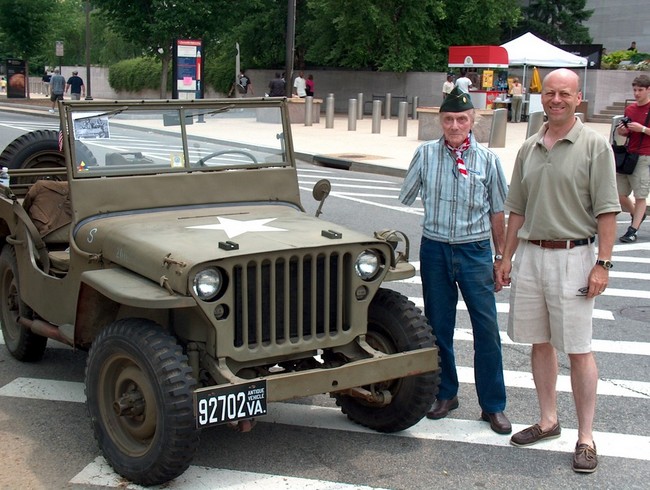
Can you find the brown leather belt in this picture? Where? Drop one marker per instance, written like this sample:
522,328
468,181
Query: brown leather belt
562,243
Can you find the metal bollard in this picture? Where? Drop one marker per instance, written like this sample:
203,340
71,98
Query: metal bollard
360,105
376,116
352,115
329,111
535,121
498,130
402,118
416,103
309,107
388,108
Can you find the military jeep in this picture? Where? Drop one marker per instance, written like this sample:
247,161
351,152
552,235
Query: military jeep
168,239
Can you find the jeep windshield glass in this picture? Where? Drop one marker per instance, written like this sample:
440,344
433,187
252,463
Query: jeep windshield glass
155,139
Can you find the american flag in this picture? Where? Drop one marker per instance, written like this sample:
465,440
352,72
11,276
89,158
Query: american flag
60,140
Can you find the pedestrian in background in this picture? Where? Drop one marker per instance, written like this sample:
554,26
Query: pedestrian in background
309,86
463,190
464,82
46,82
57,87
76,86
447,86
300,85
562,192
516,100
277,86
639,181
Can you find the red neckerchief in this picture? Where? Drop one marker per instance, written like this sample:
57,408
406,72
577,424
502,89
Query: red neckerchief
459,155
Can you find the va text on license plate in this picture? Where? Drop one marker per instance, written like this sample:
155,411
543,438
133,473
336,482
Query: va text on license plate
221,404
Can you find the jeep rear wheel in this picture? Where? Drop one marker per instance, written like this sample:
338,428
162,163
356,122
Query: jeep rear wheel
139,396
395,325
21,342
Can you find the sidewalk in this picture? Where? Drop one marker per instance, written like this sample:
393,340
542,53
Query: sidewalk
383,153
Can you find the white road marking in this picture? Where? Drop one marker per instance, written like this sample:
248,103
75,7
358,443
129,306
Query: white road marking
99,473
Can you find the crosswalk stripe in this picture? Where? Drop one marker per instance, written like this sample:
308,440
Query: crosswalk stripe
99,473
505,308
597,345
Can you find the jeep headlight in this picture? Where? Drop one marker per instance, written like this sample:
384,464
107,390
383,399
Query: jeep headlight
367,265
207,283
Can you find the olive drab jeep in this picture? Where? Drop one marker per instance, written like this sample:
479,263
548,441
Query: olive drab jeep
168,240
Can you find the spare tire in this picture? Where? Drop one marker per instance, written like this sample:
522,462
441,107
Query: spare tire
41,149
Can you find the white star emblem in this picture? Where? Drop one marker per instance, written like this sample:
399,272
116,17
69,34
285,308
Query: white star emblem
234,228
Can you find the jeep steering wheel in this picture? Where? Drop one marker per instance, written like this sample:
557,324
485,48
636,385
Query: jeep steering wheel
202,161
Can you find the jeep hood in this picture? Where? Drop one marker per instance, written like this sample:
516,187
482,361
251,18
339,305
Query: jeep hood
154,243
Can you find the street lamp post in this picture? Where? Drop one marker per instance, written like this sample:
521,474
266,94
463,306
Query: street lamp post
88,89
290,42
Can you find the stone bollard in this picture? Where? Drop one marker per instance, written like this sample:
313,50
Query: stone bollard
376,116
352,115
498,130
416,103
329,111
360,105
535,121
388,108
309,110
402,118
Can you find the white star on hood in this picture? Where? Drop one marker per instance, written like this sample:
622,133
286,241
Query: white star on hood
234,228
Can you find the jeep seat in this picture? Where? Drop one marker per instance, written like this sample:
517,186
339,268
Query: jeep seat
48,205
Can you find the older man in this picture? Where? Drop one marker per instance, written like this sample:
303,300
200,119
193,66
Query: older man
463,190
562,192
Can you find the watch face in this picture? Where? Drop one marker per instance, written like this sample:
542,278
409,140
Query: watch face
607,264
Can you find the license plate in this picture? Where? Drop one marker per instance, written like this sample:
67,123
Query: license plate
229,403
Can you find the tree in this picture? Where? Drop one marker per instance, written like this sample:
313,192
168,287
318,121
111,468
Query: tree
400,35
24,25
155,24
557,21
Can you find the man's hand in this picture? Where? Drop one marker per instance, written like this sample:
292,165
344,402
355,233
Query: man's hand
598,280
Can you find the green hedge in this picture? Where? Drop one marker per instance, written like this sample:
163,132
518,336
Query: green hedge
136,74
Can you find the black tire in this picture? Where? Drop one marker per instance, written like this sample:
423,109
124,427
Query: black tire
157,443
21,342
395,325
40,149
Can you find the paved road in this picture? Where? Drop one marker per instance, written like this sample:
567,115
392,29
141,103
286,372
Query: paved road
46,441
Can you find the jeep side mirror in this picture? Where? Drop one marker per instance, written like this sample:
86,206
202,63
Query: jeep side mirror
321,190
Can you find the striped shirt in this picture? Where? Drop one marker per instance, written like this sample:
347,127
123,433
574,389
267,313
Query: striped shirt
456,209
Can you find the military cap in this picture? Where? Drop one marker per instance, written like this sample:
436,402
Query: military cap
456,101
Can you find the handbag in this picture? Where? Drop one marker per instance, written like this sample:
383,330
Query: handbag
626,161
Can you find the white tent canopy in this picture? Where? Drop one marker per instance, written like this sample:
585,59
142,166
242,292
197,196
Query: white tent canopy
529,50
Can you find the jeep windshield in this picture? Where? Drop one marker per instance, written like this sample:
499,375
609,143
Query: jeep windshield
154,137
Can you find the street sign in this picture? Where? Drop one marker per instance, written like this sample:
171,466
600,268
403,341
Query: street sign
59,48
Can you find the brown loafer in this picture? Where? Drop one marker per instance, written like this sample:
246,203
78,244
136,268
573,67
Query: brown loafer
441,408
585,458
499,423
534,434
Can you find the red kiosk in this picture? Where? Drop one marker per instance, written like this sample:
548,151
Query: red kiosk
487,68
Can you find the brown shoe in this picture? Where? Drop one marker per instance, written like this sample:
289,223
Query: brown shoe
441,408
534,434
585,458
499,423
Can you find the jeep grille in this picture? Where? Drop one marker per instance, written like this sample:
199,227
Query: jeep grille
306,299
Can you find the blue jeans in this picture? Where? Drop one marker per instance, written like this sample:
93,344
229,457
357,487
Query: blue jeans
444,269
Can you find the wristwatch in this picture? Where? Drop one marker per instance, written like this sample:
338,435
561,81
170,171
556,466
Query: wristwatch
607,264
498,257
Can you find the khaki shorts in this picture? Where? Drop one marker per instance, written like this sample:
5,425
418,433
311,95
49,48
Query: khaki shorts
638,182
545,305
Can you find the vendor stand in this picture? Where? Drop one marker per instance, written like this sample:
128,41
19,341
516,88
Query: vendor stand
487,68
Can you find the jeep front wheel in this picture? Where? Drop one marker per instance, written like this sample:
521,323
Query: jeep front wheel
395,325
21,342
139,396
